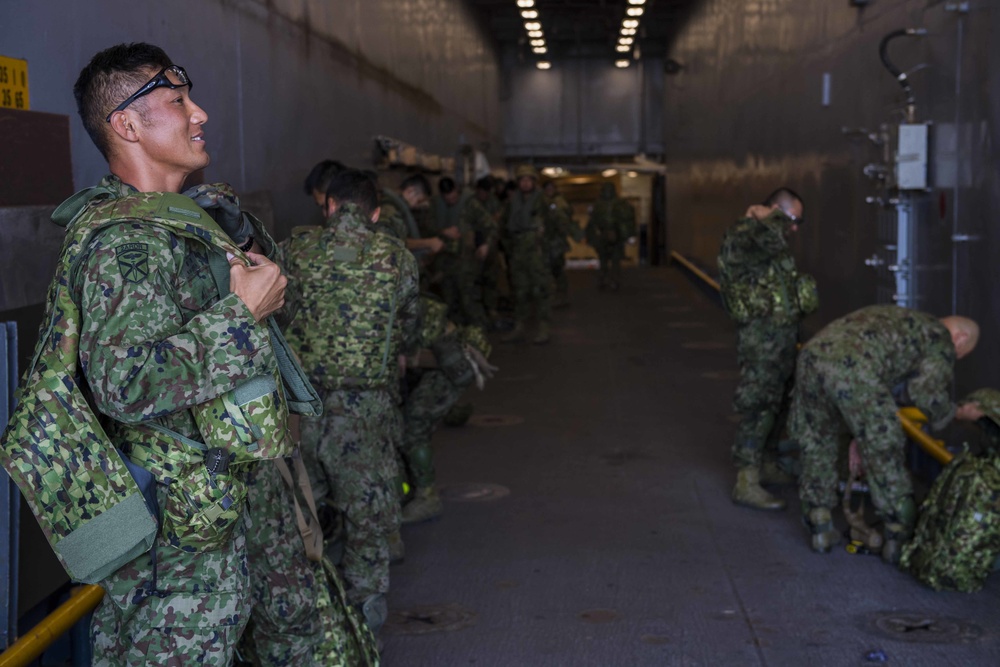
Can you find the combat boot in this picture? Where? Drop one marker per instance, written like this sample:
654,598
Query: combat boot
820,524
898,530
517,334
543,334
771,472
749,493
426,505
397,550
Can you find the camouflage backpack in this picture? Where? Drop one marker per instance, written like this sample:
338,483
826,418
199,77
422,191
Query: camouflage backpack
957,538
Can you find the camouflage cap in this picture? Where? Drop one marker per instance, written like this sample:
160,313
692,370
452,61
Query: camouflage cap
526,170
988,400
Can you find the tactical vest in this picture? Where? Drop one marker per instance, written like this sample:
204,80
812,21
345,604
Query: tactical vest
356,308
778,292
85,494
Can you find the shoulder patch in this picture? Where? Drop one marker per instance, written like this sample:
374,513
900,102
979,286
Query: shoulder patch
133,261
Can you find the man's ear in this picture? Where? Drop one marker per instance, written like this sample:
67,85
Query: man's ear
960,338
124,126
376,213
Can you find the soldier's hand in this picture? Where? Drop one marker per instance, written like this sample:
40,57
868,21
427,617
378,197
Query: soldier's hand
482,252
219,201
261,286
435,245
969,412
452,233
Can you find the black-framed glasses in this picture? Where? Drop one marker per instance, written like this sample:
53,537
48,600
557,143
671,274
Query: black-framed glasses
171,77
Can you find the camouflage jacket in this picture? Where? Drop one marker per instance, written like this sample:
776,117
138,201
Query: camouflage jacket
898,348
395,218
611,221
757,273
525,212
478,226
359,305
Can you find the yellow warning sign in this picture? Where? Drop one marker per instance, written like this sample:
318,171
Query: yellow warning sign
14,83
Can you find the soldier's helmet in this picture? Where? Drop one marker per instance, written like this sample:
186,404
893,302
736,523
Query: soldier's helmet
526,170
988,400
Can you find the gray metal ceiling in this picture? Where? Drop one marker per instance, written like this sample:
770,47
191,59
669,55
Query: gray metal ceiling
584,26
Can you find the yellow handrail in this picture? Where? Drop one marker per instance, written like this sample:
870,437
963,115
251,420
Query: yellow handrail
908,417
82,601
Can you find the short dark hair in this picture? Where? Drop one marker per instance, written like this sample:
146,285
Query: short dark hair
446,185
416,181
485,184
783,195
321,175
352,186
110,77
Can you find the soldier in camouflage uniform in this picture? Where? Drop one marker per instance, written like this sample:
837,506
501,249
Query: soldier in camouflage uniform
559,226
358,312
766,297
156,342
396,217
524,234
611,223
479,239
850,377
983,407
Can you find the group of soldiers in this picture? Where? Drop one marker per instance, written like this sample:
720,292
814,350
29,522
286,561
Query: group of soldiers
228,430
838,394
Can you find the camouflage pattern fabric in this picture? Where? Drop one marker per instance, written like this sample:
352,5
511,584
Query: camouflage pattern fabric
757,274
957,537
358,305
287,625
478,228
432,395
350,455
766,353
611,223
493,267
529,272
845,380
347,640
447,265
392,219
190,609
359,310
558,227
988,400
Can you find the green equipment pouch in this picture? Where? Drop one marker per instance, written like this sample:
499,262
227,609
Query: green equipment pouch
203,508
89,506
806,293
957,537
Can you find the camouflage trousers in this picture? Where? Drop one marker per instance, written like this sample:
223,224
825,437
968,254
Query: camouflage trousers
765,352
829,398
557,264
471,289
286,627
426,405
610,256
350,455
188,608
529,277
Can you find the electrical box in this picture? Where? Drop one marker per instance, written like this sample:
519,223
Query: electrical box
911,156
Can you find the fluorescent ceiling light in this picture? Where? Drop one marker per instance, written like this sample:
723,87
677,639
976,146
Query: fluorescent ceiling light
543,64
539,49
628,31
538,42
626,40
622,48
621,63
525,3
632,174
636,2
630,23
535,34
608,173
529,14
634,11
533,25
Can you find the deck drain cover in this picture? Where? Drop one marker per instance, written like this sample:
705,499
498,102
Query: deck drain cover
705,345
923,628
495,420
721,375
474,492
599,615
685,325
432,618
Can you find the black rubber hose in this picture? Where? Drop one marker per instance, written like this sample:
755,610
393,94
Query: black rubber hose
900,75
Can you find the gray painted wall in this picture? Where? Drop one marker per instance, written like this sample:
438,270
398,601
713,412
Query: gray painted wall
285,83
583,106
745,115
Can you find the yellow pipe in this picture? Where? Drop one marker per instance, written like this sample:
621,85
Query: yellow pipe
908,417
933,447
694,269
82,601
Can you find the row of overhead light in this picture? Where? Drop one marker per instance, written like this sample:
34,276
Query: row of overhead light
536,37
629,29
